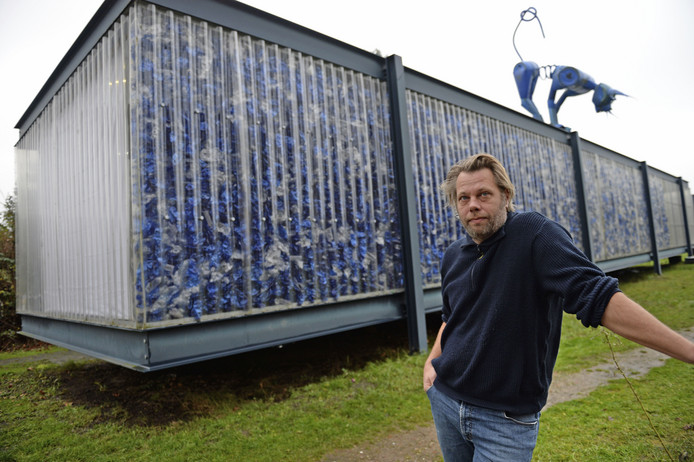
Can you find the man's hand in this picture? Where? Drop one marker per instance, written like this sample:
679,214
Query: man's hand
429,372
429,375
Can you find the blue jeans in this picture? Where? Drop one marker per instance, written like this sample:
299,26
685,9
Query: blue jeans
473,433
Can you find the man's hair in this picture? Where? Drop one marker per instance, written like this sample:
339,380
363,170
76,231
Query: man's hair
473,164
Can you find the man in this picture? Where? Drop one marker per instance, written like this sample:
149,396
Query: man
504,287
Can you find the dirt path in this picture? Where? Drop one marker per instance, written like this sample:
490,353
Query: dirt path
420,445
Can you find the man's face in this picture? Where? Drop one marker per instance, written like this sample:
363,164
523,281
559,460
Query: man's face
481,204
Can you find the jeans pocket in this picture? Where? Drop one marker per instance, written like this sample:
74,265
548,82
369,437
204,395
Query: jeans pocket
429,391
523,419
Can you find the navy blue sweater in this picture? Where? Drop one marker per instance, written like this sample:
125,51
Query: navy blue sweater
502,305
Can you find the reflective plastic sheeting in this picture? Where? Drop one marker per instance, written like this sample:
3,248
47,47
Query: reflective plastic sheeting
541,169
667,212
616,206
73,231
261,177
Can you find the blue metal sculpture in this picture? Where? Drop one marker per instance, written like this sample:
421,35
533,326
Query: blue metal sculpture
573,81
526,74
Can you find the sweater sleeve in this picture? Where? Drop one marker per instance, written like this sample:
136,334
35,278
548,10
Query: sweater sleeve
564,270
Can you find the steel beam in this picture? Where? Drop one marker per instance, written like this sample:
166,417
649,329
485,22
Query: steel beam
651,220
404,180
581,198
688,238
154,349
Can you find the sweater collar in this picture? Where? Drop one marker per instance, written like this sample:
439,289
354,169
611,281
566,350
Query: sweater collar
498,235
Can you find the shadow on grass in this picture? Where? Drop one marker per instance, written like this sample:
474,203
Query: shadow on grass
636,274
183,393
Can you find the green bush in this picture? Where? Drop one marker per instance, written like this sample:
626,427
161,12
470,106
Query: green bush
9,321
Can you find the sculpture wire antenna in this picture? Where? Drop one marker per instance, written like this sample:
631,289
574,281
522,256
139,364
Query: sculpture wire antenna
573,81
531,11
526,73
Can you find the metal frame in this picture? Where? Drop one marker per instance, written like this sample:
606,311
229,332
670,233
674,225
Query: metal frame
102,20
154,349
651,221
690,251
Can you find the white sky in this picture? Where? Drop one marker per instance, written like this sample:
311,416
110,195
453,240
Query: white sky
645,48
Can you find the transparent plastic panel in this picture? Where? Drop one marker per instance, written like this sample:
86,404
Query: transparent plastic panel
667,211
442,134
27,220
616,205
72,201
262,178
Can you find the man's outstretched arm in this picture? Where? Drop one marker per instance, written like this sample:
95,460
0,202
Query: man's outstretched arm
627,318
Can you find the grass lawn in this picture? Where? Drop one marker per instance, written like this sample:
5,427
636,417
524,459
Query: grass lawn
610,424
305,400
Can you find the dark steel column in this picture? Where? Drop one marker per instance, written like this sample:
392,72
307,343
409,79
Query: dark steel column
684,214
404,178
651,220
586,228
